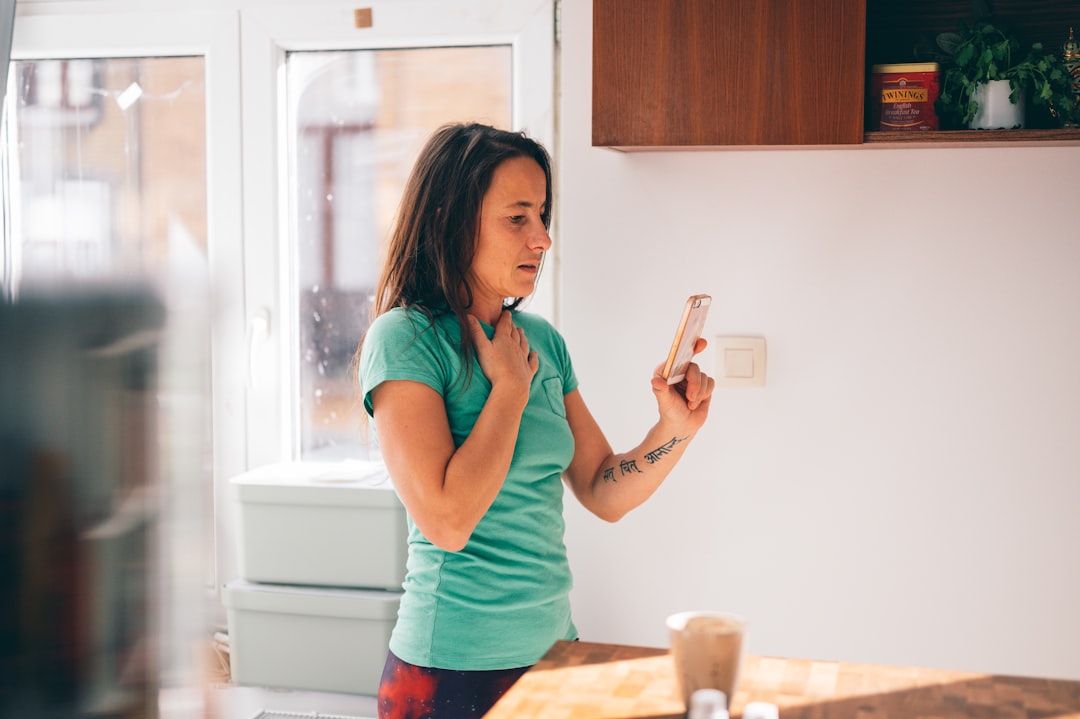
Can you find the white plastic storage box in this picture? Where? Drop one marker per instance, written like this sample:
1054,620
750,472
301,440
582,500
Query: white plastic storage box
317,523
330,640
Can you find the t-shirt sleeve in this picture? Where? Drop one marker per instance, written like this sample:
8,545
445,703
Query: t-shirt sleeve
398,346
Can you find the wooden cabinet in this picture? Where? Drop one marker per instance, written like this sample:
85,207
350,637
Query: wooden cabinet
687,73
708,73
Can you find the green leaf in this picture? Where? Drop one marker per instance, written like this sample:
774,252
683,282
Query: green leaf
949,42
972,108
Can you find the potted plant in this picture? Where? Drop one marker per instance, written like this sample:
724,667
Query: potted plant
981,59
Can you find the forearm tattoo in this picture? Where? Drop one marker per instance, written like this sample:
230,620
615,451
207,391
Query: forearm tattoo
654,456
629,466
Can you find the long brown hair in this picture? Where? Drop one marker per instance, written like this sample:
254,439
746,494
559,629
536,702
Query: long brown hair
433,241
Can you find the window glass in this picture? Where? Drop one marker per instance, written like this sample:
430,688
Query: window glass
357,120
106,168
105,180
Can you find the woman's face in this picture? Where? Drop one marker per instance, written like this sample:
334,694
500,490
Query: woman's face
512,237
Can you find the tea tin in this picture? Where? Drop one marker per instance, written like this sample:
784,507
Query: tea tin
903,95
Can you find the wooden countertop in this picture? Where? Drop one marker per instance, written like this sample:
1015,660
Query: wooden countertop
584,680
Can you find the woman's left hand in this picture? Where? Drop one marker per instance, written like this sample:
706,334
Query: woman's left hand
687,402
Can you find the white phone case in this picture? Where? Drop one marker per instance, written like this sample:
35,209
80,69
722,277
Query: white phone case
682,348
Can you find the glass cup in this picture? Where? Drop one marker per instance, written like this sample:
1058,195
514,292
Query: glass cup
706,648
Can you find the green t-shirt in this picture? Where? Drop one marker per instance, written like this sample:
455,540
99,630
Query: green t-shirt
503,599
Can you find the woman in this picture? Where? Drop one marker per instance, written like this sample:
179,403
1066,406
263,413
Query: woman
479,420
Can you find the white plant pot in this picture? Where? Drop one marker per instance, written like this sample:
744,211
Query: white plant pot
996,111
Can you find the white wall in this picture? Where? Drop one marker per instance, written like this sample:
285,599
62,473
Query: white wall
906,488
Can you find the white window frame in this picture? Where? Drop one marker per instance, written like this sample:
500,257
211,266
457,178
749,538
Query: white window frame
268,34
69,30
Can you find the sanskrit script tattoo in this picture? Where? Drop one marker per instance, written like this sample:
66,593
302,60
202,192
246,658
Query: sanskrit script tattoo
654,456
629,466
626,466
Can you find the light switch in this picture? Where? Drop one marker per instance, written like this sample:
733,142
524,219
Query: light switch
740,361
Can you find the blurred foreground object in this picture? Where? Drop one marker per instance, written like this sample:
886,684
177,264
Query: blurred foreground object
87,521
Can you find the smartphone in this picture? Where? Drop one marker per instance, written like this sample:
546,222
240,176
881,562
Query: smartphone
682,349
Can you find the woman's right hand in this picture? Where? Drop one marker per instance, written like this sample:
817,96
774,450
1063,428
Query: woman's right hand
505,359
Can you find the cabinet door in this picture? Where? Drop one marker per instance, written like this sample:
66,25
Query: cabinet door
727,72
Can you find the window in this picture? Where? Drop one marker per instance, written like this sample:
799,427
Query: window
109,159
354,102
122,160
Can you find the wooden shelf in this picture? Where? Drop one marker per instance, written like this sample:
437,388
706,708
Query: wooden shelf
945,138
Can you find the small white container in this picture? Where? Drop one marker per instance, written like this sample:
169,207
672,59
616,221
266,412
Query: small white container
337,524
761,710
331,640
996,110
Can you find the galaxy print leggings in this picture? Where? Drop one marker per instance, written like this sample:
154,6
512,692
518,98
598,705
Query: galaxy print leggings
407,691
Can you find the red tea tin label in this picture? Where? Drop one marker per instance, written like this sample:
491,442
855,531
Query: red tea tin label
907,94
